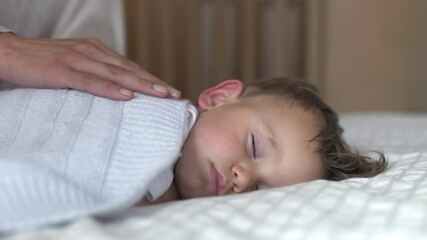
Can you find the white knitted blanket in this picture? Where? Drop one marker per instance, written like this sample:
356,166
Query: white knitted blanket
66,154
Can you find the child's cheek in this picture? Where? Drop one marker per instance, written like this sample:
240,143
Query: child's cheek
224,146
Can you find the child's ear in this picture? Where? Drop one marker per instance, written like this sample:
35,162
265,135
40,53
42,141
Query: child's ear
221,93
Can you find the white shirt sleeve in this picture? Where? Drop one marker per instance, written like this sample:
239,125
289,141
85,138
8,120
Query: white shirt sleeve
3,29
164,179
102,19
4,85
159,185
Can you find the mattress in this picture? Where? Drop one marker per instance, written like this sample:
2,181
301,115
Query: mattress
392,205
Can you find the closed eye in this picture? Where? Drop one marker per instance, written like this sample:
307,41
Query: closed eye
254,152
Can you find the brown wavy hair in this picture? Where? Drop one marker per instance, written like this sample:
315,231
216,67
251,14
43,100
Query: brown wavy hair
340,161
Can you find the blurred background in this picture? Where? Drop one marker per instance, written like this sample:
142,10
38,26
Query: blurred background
362,54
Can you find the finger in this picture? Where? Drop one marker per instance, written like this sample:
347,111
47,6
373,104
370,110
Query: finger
96,50
90,84
118,75
173,93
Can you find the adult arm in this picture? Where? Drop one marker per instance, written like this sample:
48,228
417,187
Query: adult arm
77,60
83,64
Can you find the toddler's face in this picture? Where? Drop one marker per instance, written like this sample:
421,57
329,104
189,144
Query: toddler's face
245,144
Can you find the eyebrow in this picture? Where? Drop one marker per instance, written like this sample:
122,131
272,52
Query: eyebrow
270,135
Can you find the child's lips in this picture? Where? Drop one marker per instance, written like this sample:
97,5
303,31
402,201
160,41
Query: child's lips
217,185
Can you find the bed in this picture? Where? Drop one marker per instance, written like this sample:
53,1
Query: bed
392,205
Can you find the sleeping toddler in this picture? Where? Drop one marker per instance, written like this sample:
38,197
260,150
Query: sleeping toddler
66,154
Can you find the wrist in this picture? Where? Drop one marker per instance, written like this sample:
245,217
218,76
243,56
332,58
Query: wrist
6,37
6,52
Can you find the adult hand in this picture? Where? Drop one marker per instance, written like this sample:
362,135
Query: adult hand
82,64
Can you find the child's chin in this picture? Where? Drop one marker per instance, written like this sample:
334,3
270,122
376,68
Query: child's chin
189,194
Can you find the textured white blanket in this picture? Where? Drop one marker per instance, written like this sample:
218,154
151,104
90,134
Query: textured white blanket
66,154
392,205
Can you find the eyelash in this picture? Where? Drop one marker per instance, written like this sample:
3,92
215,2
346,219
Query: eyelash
253,146
254,154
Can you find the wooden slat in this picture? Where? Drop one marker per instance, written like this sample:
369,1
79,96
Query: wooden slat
230,40
153,35
280,38
166,25
178,35
315,28
137,18
248,53
218,45
192,82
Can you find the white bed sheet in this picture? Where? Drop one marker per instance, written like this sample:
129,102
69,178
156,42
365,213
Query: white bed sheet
392,205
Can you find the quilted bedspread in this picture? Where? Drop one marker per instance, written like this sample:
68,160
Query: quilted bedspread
392,205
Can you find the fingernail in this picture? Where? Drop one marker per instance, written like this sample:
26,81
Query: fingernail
160,88
125,92
175,93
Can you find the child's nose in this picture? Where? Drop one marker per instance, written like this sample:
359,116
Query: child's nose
243,178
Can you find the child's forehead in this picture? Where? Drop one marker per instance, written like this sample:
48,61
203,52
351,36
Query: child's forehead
280,108
274,101
267,98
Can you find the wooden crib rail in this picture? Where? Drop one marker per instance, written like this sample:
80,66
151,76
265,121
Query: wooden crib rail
194,44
